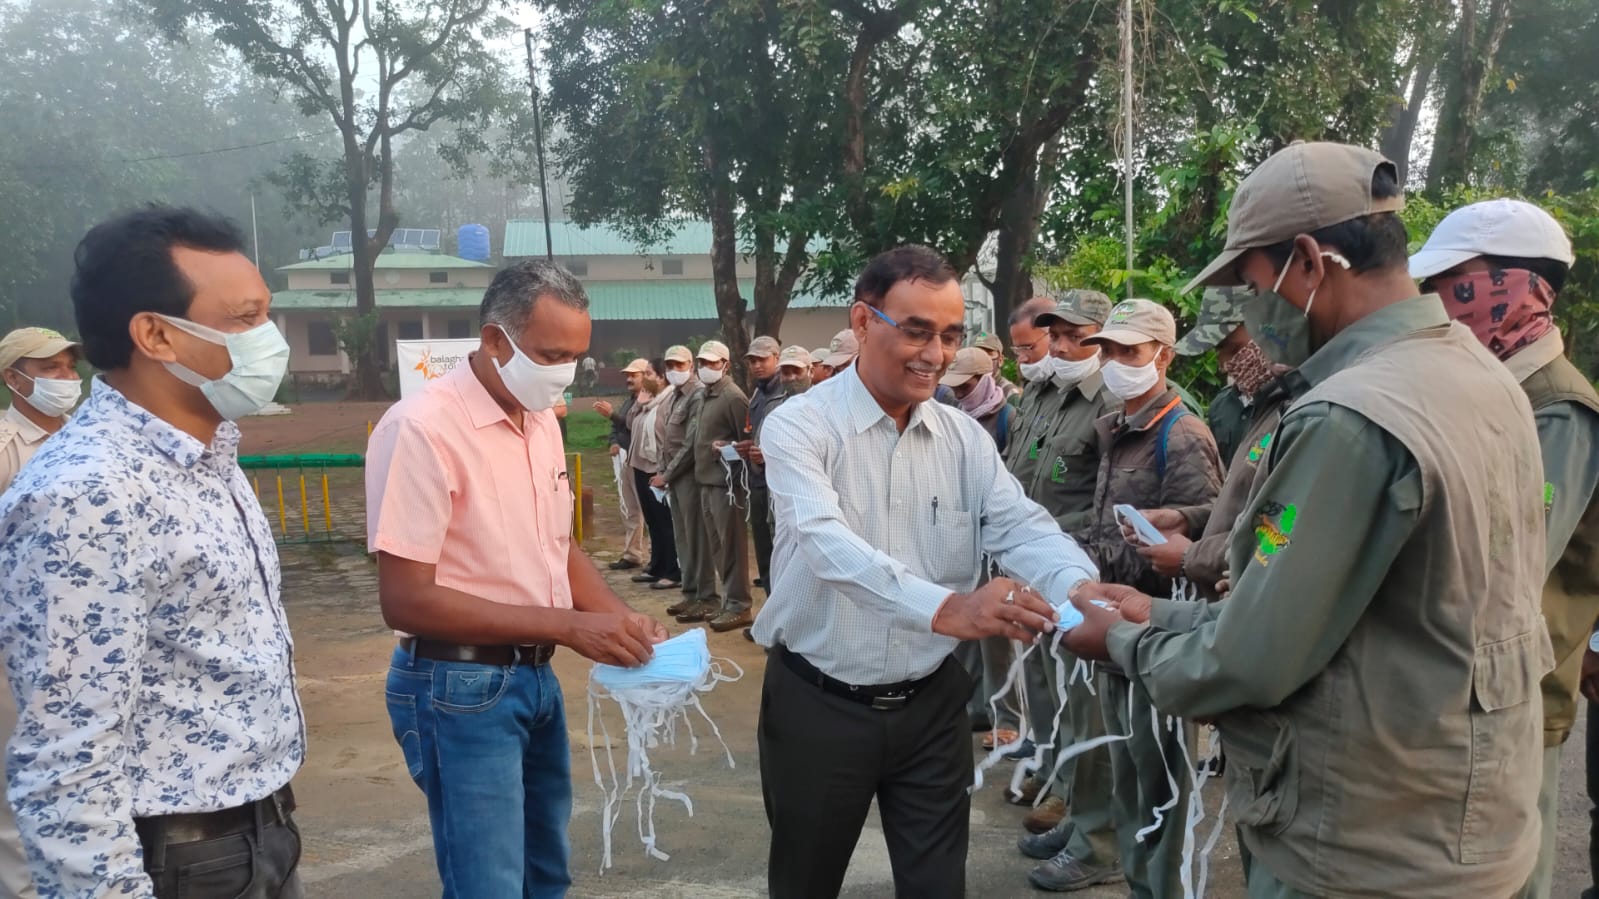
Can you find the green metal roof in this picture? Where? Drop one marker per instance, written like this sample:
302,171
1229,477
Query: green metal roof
345,261
525,237
608,300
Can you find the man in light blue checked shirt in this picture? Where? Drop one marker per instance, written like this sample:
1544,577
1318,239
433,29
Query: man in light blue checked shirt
885,505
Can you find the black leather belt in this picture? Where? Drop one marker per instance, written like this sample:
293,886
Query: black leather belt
502,656
192,828
883,697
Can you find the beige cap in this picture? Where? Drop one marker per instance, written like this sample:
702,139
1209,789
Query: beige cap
819,355
637,366
970,362
713,351
761,347
990,342
1133,322
1300,188
843,348
794,357
678,353
1078,307
32,343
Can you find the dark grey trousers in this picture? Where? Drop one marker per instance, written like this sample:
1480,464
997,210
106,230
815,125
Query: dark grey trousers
261,863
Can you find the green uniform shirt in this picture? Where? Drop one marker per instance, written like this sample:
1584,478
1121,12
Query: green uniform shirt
1028,428
1229,417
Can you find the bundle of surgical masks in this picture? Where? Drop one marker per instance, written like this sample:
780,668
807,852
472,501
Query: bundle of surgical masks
654,699
1013,695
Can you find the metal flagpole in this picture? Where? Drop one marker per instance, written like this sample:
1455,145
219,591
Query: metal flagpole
538,140
1127,130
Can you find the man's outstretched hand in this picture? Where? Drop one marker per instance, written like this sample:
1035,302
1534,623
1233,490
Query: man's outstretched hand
1089,638
985,613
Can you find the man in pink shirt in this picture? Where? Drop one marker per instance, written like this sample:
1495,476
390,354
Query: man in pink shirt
469,511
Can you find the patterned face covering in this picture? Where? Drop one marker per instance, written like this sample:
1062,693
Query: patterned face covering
1250,369
1506,308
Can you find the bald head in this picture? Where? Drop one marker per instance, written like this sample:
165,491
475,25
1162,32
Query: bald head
1030,310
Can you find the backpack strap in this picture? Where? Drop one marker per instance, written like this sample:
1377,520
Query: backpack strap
1165,433
1002,428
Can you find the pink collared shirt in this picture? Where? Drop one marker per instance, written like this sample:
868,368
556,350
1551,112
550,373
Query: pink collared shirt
452,482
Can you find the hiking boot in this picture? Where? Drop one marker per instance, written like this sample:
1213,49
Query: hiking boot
732,620
1063,873
1046,817
1031,787
699,611
1025,751
682,605
1045,846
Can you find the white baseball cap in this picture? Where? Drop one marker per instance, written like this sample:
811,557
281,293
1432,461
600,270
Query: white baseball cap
1503,227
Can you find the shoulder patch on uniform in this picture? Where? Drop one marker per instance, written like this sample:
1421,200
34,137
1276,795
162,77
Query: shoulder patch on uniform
1258,451
1276,525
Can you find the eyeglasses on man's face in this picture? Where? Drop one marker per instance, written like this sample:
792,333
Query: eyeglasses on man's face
919,337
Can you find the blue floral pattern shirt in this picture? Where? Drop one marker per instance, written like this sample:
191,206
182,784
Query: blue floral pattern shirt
145,641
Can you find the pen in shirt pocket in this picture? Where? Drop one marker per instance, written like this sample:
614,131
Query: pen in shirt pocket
935,510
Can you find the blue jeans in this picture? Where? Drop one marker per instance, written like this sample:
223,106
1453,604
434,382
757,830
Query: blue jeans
488,746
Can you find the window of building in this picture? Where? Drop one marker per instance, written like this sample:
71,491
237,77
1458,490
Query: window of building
339,277
409,330
438,277
579,267
459,328
320,338
671,266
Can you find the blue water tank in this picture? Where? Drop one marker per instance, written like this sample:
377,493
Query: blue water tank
472,242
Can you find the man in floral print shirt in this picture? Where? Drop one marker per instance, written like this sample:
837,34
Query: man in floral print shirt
140,620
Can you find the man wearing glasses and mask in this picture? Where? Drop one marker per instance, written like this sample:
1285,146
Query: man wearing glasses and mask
885,505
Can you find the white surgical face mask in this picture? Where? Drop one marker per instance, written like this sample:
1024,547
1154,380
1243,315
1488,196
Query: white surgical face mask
1129,382
1072,372
536,387
676,378
259,356
710,375
54,397
1036,371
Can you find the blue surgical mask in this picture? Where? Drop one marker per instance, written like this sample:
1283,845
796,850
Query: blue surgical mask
260,356
684,659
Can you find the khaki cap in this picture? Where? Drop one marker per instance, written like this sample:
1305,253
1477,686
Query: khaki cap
1220,313
1300,188
761,347
843,349
637,366
678,353
1133,322
32,343
794,357
1078,307
713,351
970,362
819,355
990,342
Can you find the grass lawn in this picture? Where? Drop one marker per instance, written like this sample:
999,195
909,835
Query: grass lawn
586,431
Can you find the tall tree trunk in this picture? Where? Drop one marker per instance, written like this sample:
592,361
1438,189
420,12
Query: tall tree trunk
724,261
772,298
1401,130
1475,51
366,380
1019,217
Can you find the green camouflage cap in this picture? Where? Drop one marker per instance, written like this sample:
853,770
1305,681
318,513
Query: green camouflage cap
1079,307
1221,312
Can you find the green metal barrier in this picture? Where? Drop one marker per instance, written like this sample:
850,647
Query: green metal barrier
298,468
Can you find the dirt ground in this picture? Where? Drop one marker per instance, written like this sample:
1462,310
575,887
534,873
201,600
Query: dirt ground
365,823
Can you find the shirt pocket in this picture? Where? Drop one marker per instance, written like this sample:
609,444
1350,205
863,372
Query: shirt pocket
1506,732
1262,769
953,556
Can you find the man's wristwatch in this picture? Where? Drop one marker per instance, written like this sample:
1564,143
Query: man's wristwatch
1593,642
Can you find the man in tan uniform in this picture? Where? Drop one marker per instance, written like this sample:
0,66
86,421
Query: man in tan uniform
40,368
1374,672
1498,266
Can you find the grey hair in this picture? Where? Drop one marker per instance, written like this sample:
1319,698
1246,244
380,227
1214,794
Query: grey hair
517,288
1031,309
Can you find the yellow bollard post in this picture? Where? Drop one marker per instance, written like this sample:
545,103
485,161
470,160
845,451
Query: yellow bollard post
369,429
256,482
577,496
327,505
305,508
283,517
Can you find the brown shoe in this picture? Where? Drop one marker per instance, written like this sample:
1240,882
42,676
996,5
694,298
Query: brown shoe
682,605
1044,818
699,611
1031,787
730,621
